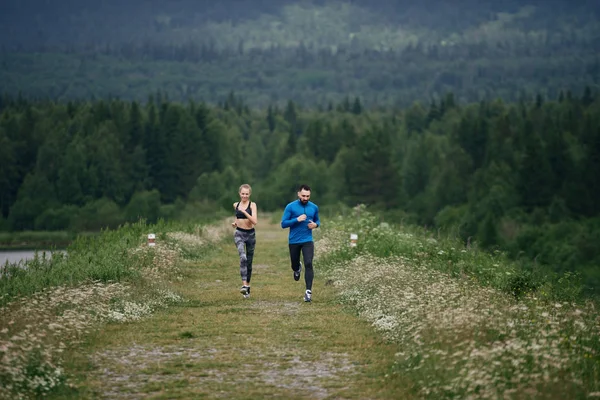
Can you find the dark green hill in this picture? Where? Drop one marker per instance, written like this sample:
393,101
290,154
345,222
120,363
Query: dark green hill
312,51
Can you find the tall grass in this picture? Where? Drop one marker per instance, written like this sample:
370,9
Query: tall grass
449,254
470,324
113,277
35,239
105,257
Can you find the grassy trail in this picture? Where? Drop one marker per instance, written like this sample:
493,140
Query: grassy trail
220,345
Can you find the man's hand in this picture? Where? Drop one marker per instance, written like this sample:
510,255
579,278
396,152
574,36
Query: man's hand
234,224
312,225
301,218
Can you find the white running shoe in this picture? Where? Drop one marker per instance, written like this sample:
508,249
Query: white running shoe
308,296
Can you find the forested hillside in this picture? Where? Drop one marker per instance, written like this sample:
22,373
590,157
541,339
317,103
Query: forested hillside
478,118
520,177
312,52
459,139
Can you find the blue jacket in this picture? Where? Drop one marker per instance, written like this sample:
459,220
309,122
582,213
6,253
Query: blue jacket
299,232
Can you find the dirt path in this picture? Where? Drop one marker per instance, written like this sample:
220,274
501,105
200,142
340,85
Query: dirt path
220,345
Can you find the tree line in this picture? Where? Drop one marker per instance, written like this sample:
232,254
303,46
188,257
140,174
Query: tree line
519,176
312,51
511,70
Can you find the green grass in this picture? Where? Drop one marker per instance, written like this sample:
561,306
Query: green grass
33,240
106,256
218,344
402,315
469,323
102,258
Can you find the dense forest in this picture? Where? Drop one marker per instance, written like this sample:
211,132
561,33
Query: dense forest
314,52
520,177
474,118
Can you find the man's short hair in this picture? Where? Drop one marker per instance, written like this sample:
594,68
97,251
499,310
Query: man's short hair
304,187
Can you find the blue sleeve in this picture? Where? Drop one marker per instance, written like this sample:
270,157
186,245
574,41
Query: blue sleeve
286,218
317,220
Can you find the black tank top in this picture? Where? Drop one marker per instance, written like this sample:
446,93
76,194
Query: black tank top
241,215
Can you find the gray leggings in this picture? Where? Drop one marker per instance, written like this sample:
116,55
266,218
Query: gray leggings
245,240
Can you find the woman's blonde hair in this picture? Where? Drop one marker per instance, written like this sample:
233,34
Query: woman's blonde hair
245,186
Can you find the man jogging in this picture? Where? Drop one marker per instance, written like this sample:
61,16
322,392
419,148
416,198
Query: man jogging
302,216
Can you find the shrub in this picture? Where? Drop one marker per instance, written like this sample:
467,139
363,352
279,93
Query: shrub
143,205
56,219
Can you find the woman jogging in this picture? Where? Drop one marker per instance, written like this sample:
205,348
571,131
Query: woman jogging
246,217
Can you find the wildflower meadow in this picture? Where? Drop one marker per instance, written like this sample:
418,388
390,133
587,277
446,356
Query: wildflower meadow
51,303
466,325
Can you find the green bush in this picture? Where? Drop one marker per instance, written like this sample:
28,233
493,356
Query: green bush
448,254
399,217
96,215
56,219
143,205
450,216
4,226
200,211
521,284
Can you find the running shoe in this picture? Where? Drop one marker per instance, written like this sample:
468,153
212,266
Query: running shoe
308,296
297,273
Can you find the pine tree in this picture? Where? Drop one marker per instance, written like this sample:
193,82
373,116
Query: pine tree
290,115
356,106
374,180
155,147
434,113
137,170
591,168
36,194
587,98
72,171
9,174
416,119
415,168
472,135
167,181
271,119
535,173
135,128
187,148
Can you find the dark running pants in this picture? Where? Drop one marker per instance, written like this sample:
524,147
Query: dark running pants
308,251
245,241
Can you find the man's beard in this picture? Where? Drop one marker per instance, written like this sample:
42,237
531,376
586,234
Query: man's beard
305,202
